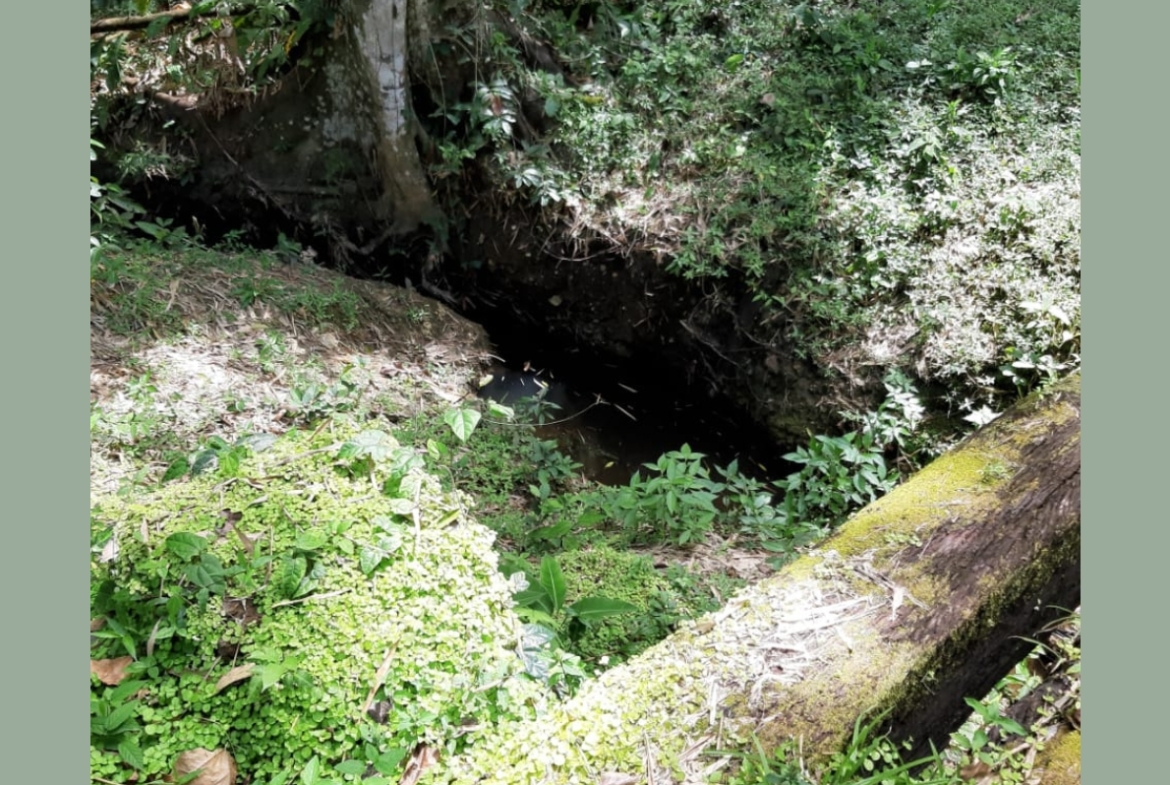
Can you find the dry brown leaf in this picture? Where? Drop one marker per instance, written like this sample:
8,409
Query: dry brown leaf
380,677
421,759
234,676
110,672
974,770
215,767
109,552
241,610
151,640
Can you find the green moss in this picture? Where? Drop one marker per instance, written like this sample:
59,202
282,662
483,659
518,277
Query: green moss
1061,760
435,616
602,571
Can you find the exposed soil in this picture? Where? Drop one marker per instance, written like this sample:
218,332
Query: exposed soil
662,359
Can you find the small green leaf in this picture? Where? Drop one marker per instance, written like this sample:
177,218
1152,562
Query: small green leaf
351,767
387,763
204,460
176,469
437,450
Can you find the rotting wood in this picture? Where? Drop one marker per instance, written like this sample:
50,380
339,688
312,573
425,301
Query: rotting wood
920,600
998,522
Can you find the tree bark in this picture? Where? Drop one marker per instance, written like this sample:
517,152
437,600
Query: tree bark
382,35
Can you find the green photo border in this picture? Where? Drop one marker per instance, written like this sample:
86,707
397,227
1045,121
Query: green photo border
1124,206
46,342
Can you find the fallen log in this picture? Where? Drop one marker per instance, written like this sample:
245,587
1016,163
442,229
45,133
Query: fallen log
917,602
116,24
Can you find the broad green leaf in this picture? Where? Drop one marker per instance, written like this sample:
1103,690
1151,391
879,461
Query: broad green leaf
125,690
534,644
462,422
258,442
205,575
132,754
535,598
309,773
186,545
558,529
378,445
120,716
369,559
312,540
401,507
352,767
591,608
535,616
290,571
387,763
1011,726
501,411
553,581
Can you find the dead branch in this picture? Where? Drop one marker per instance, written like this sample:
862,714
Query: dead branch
116,24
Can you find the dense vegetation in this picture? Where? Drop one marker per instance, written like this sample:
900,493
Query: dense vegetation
894,186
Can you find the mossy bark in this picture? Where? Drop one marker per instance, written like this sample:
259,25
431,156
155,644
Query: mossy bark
916,603
1060,762
996,527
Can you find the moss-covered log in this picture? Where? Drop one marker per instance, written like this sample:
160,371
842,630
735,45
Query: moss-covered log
914,604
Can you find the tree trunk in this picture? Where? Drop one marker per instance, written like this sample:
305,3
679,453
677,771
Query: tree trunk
332,147
916,603
381,35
